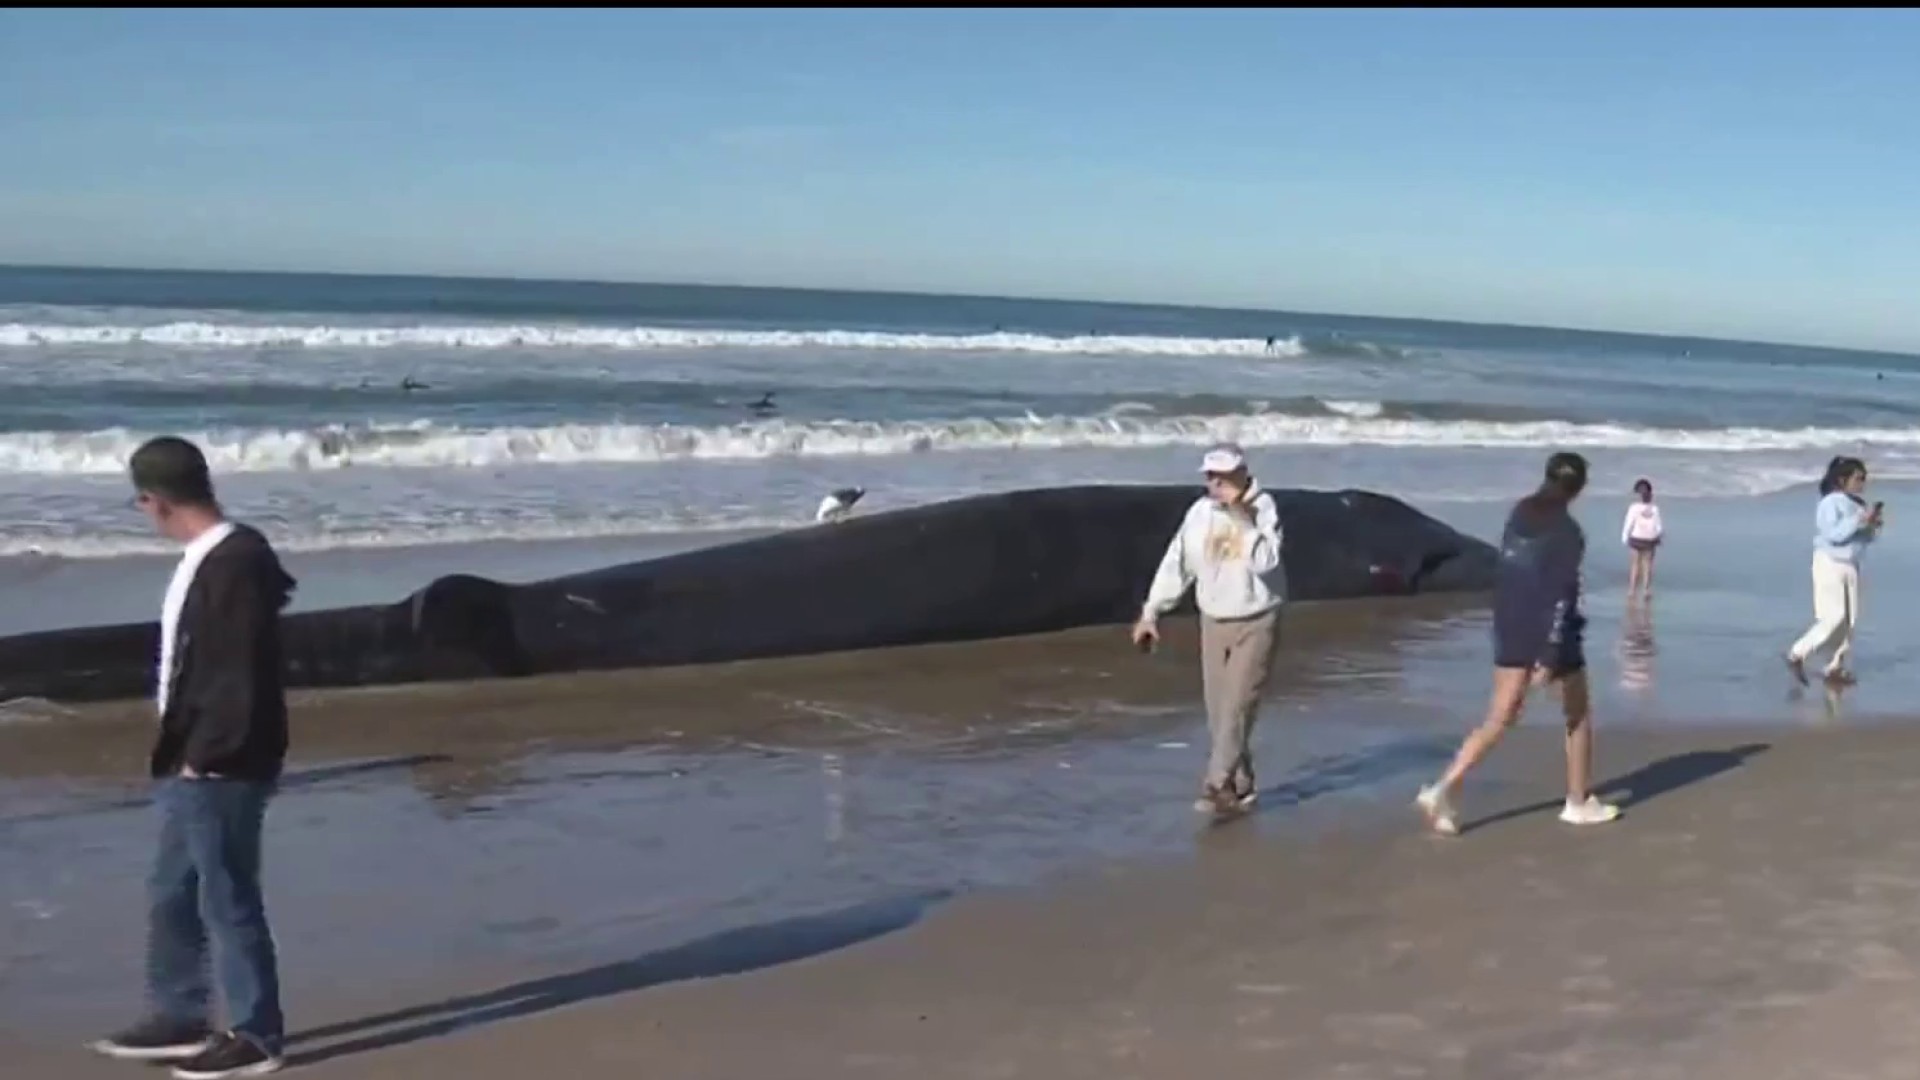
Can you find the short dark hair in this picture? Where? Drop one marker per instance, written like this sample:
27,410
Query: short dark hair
1566,473
1643,484
173,469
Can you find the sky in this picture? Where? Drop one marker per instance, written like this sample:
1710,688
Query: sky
1723,173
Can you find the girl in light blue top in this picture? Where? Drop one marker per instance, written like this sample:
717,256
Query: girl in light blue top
1843,527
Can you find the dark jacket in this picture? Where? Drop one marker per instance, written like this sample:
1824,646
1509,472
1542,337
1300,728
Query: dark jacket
227,712
1536,590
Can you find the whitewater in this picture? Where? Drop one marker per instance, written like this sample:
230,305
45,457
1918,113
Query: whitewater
211,335
552,411
426,445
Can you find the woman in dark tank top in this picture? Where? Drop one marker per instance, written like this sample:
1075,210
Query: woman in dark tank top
1538,638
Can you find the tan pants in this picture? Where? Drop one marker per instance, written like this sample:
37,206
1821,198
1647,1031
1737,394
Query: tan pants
1235,658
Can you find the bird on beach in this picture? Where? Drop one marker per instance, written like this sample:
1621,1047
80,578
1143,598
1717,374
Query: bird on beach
838,504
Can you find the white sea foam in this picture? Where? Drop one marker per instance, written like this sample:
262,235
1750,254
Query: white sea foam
221,335
429,445
1360,410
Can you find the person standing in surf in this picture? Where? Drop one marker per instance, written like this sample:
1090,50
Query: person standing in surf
1641,533
1537,640
1227,550
1843,526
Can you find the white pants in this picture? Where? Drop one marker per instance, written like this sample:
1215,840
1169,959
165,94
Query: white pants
1836,605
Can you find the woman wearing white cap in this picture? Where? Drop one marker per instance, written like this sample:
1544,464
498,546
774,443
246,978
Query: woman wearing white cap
1228,550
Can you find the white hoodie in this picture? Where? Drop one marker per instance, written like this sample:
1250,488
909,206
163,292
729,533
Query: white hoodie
1643,522
1234,566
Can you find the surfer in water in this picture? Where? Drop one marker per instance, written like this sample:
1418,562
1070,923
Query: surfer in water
1537,640
765,406
410,384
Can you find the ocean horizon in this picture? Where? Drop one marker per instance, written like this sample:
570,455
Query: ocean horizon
94,275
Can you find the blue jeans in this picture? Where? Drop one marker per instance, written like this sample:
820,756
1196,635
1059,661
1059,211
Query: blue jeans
206,884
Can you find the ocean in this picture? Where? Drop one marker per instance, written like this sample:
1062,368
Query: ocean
555,410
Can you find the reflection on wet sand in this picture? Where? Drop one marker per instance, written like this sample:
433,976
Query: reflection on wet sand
1637,649
970,700
1832,698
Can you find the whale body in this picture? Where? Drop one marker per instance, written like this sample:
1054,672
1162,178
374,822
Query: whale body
986,566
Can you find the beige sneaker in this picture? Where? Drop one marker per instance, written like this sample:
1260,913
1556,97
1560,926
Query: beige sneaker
1591,812
1440,813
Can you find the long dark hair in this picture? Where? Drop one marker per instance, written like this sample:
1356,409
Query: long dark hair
1838,470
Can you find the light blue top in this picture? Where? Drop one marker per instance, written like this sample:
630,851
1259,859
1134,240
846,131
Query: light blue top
1840,530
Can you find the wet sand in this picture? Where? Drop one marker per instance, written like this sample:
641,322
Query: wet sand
1756,914
478,829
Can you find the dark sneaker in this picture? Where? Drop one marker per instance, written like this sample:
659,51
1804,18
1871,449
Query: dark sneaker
156,1039
228,1055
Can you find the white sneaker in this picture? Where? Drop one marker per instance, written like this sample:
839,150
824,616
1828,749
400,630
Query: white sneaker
1440,813
1591,812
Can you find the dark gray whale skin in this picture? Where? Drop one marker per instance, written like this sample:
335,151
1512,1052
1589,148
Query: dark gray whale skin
987,566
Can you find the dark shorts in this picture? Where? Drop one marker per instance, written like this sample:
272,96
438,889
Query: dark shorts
1524,646
1643,545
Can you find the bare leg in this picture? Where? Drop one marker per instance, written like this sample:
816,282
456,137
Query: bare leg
1509,698
1577,702
1582,808
1646,573
1636,559
1504,707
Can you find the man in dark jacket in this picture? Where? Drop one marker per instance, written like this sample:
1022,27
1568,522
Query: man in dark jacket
222,739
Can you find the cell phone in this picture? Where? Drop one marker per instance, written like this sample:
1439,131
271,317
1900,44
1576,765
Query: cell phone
1879,506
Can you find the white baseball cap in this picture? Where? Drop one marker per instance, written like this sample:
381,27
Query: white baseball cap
1224,458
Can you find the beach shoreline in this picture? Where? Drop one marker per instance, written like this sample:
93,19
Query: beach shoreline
975,859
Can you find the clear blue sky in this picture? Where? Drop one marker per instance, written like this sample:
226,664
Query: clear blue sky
1749,174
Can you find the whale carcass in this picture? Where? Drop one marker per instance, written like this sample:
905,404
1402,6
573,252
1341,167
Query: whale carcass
981,567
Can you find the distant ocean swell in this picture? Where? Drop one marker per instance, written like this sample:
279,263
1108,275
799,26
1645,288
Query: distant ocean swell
197,334
425,444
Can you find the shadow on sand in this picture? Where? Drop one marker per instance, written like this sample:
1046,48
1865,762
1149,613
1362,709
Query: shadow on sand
1334,773
1649,781
729,952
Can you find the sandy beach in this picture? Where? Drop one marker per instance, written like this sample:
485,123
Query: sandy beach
978,860
1753,915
